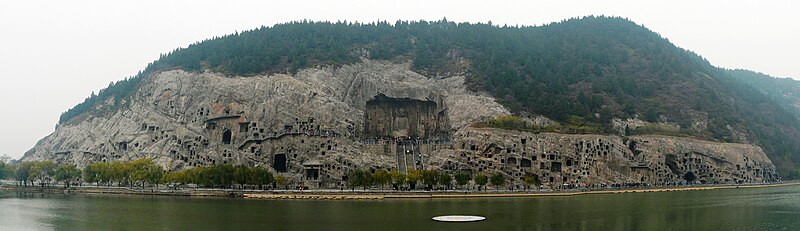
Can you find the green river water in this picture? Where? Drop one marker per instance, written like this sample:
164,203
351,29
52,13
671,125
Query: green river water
774,208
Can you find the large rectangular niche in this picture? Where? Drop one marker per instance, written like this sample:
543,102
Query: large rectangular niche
403,117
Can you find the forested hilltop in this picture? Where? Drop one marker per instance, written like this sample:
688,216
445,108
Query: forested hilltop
583,71
785,91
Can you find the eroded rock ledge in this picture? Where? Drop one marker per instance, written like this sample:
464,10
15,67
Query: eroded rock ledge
319,124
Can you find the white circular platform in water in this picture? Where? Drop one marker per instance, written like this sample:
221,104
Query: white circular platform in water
458,218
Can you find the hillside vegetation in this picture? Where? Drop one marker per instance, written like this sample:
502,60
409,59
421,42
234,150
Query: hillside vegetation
589,70
785,91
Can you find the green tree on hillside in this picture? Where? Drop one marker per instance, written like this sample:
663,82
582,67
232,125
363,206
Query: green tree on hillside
66,173
23,172
261,176
481,180
531,179
412,177
281,181
399,179
382,177
498,179
362,178
242,175
144,171
462,178
3,170
42,171
430,178
90,173
445,179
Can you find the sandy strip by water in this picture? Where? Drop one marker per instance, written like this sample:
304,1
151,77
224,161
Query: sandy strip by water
437,195
363,195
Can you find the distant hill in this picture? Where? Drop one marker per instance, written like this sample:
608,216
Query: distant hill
584,71
785,91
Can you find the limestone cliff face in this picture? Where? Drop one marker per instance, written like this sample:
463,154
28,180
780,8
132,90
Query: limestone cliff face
314,121
559,159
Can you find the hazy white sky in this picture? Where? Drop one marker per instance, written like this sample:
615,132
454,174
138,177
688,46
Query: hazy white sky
53,54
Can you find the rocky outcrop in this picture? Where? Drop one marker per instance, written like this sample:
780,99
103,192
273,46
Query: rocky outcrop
559,159
315,126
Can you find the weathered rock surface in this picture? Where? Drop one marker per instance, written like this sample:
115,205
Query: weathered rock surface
314,122
559,159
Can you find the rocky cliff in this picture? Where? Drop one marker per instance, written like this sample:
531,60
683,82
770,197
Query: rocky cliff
320,123
559,159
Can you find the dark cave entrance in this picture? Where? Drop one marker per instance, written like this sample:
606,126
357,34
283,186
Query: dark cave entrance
525,163
279,163
312,174
555,167
689,177
226,137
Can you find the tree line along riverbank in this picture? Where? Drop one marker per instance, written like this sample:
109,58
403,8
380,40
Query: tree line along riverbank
144,173
143,177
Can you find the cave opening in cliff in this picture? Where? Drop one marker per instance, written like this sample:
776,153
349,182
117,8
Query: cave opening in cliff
387,117
525,163
511,161
226,137
555,166
312,174
670,161
689,177
312,169
279,163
